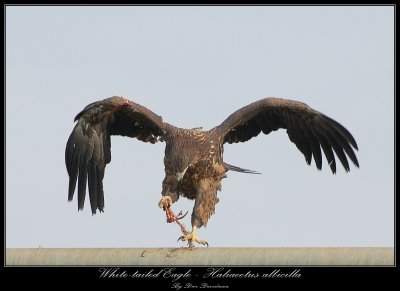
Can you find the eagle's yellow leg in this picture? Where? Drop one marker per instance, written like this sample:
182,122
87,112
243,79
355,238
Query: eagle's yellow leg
192,237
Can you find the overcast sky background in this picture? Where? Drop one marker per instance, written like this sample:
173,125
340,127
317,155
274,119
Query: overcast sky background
194,66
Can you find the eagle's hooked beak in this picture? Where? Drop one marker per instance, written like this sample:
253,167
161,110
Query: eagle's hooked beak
179,176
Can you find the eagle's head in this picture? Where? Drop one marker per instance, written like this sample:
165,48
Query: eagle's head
180,158
179,175
184,149
180,165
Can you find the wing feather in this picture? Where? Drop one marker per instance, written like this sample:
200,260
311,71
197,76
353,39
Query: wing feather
307,128
88,148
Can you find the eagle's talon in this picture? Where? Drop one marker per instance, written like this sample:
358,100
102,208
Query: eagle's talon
192,237
165,202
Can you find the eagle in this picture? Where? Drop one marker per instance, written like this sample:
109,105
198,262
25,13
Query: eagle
193,161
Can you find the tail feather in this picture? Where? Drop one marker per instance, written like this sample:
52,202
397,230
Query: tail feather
240,170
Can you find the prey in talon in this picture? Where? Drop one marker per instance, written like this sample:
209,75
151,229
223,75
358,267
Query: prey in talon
171,217
190,237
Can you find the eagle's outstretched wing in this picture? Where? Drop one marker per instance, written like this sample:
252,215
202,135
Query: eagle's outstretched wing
307,128
88,147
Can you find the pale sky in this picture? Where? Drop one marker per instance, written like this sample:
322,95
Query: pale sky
194,66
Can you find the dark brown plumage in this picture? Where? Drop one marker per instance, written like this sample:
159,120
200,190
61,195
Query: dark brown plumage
193,161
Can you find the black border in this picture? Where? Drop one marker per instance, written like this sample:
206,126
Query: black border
328,275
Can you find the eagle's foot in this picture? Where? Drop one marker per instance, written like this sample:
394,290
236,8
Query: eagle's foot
192,237
165,202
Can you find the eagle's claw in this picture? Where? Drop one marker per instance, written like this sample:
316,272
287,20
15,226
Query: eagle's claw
192,245
192,237
165,202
